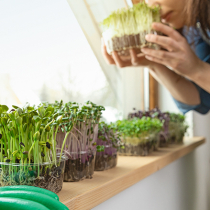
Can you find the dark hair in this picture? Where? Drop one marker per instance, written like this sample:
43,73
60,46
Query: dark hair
199,10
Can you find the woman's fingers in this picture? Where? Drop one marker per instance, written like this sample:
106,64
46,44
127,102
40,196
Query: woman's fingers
107,57
166,42
171,43
167,31
114,58
119,62
160,54
153,59
134,58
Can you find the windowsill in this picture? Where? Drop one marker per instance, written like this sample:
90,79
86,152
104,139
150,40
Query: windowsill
105,184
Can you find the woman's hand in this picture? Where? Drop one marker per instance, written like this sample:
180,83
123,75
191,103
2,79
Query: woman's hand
179,56
124,61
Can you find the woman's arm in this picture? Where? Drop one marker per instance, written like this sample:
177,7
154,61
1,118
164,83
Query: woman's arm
202,76
180,88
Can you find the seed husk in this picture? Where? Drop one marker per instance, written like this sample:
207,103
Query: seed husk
48,145
22,144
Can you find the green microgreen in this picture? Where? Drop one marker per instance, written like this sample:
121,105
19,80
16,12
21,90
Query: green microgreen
139,128
131,21
108,134
22,131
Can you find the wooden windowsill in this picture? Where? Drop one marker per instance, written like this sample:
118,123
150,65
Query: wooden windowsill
105,184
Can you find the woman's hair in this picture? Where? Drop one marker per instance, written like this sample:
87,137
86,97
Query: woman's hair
199,10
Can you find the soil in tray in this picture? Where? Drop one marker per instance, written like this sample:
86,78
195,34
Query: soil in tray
50,177
104,162
52,180
80,168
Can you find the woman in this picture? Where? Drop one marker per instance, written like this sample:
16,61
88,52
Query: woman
183,67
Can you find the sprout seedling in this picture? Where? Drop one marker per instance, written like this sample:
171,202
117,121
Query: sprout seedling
27,139
108,143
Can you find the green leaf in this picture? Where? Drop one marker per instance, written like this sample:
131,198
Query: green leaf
30,108
47,129
50,109
102,148
4,121
59,119
98,148
55,115
20,111
15,107
41,111
4,108
36,118
48,114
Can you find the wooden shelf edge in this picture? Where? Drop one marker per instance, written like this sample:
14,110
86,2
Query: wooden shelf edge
98,195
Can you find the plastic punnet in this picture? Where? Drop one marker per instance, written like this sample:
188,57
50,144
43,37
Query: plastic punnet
126,28
48,175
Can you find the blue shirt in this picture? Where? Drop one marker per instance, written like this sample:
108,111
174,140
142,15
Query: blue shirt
201,47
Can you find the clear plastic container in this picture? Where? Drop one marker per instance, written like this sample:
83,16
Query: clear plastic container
124,43
81,163
142,146
163,139
176,132
155,143
91,167
126,28
106,159
80,166
47,175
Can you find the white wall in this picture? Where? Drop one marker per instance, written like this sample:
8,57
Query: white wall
182,185
201,164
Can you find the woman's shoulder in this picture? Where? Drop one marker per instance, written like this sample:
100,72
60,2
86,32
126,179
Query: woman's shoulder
198,41
193,34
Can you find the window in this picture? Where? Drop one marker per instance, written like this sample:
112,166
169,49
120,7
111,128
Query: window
45,56
50,50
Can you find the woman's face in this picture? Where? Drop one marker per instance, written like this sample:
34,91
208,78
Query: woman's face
172,11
